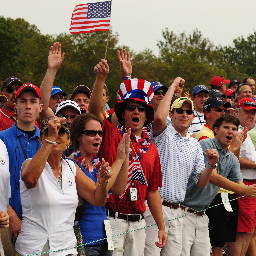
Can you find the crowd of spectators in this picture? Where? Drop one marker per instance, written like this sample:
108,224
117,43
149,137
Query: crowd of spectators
165,172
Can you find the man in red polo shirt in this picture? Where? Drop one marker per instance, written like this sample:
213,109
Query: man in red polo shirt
144,175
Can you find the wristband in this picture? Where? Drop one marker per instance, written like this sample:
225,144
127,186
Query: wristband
126,77
212,167
103,185
51,142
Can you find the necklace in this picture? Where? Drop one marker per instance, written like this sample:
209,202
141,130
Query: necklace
58,175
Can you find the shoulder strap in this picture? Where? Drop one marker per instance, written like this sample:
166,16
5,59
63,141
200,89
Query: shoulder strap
69,164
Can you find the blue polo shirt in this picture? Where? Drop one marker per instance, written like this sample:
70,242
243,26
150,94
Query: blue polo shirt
10,137
227,165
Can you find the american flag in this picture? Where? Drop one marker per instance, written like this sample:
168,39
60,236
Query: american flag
87,18
134,173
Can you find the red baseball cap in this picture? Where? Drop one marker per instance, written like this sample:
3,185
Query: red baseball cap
246,104
28,87
218,81
228,92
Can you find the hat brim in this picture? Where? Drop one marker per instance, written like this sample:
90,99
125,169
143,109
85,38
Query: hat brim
81,89
120,105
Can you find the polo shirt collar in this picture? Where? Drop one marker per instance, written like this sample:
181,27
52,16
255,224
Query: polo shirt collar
18,132
8,113
187,137
218,146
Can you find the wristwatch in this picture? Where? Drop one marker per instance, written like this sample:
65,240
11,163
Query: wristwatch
212,167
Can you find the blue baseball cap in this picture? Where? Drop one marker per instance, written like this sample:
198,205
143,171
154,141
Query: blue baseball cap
199,88
56,89
157,85
233,82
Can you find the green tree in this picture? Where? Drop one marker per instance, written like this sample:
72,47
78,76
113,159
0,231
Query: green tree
242,55
192,57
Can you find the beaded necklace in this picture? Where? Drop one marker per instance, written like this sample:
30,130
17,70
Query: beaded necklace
81,160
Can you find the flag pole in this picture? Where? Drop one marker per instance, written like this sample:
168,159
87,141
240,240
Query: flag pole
107,41
106,46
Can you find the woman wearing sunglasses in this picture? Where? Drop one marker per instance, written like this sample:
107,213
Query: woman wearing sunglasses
49,187
86,136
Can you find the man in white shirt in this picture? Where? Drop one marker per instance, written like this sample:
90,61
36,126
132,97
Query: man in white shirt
181,157
200,94
245,111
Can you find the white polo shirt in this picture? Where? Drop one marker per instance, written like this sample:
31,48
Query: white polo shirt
48,213
5,187
247,151
180,157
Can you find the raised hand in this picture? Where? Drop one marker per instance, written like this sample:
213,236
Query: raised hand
125,63
212,155
178,82
104,172
54,125
55,57
238,141
124,146
186,94
102,69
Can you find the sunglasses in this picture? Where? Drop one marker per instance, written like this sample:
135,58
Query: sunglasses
180,111
133,107
159,91
11,89
220,110
247,103
93,133
54,97
230,97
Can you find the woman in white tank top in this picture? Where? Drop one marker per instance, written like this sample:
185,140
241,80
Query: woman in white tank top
49,187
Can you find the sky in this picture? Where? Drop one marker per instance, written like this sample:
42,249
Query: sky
139,23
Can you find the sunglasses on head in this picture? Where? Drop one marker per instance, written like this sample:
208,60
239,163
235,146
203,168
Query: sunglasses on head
248,103
93,133
11,89
133,107
180,111
159,91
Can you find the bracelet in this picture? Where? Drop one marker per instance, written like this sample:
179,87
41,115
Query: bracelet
103,185
212,167
126,77
51,142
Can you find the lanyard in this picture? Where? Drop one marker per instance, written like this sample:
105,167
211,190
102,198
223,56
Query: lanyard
24,153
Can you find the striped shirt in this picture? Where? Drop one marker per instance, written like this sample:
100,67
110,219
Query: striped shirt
180,157
197,123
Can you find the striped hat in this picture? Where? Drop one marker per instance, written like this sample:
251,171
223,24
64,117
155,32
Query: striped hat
135,89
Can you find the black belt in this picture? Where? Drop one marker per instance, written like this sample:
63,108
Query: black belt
171,205
198,213
249,180
127,217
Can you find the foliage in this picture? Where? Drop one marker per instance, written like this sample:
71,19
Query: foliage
242,55
24,52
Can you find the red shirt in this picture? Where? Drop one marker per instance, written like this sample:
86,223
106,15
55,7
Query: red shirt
150,163
7,119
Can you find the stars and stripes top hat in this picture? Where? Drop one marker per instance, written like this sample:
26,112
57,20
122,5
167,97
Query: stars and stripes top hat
135,89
